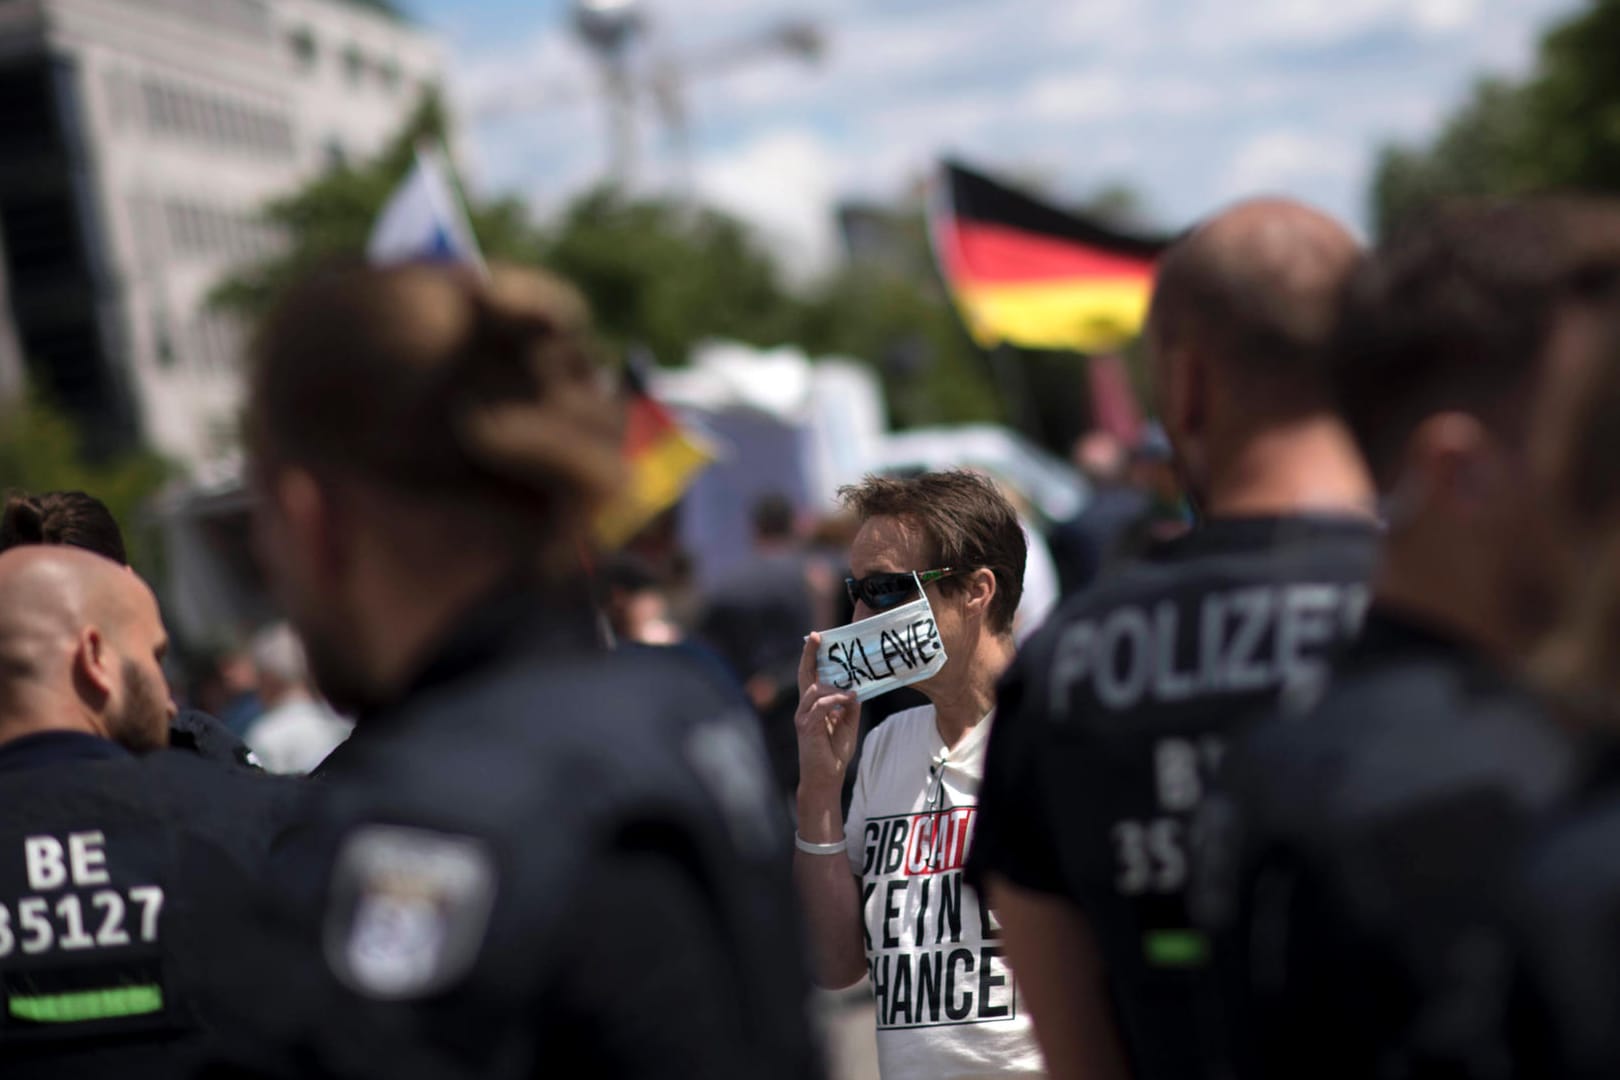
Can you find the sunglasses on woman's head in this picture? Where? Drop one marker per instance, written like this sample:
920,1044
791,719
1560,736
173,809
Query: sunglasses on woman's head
885,590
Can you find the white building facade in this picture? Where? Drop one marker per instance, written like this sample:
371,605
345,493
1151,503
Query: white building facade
167,125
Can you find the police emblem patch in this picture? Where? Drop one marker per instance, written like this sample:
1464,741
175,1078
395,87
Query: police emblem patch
408,910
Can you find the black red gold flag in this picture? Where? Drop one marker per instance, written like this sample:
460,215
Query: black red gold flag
663,459
1027,274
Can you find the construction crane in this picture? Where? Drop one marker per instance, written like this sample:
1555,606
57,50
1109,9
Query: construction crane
616,32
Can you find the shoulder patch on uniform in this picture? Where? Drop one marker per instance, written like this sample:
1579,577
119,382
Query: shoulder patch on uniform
408,910
731,764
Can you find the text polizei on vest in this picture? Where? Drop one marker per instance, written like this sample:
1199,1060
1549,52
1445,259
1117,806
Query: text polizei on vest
1234,641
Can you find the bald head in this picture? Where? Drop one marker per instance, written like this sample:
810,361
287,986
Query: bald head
81,643
1257,291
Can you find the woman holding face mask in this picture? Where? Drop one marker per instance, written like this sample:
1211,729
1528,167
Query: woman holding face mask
937,571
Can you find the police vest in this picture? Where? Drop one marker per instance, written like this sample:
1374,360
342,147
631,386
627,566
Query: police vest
104,866
450,839
1355,861
1562,1018
1112,723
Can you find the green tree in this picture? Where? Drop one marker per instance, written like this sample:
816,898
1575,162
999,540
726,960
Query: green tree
1572,129
41,449
932,373
1558,129
666,276
1478,152
332,216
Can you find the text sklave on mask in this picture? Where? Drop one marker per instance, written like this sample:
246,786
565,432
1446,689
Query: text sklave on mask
889,650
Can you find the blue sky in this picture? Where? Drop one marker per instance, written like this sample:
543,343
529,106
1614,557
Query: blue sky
1193,102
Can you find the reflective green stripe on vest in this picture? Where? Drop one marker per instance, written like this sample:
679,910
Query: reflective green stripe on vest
1176,948
87,1005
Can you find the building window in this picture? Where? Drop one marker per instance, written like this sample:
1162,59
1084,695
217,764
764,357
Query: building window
301,42
354,65
388,71
162,341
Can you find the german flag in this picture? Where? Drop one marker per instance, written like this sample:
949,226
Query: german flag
1026,274
662,458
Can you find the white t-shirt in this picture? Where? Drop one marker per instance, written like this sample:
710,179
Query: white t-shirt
296,735
1041,589
947,1008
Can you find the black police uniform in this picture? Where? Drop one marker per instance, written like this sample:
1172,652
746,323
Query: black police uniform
1561,1015
105,861
544,859
198,733
1355,855
1111,721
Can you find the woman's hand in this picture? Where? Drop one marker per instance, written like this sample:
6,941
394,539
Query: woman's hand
829,725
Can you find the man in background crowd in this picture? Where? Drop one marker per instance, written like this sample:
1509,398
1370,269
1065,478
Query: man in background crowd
755,618
1112,717
1083,545
634,602
297,730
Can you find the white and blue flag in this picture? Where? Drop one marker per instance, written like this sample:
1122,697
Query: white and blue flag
423,221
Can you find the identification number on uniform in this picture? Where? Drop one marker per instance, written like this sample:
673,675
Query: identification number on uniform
1152,851
73,905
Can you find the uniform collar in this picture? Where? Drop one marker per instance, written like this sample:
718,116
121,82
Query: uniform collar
517,618
1220,535
56,747
1389,631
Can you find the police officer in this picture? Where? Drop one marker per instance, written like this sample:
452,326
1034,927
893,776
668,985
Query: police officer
531,855
107,839
1354,864
83,521
1111,719
1563,1015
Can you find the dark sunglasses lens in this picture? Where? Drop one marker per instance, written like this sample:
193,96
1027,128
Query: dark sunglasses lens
884,591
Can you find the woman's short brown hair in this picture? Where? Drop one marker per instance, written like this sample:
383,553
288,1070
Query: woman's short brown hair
967,522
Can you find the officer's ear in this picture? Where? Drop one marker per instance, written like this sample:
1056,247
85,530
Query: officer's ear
313,520
94,668
1186,404
1448,465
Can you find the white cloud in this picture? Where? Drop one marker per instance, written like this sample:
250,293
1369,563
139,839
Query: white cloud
1077,96
1442,16
1195,101
783,183
1279,161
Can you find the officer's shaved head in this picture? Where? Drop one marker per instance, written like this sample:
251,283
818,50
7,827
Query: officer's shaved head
81,642
1257,290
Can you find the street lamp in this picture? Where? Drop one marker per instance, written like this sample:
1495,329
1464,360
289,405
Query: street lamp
609,27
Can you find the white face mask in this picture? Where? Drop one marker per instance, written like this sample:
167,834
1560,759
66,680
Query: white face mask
891,649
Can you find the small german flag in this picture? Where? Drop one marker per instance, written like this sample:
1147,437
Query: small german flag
1027,274
662,457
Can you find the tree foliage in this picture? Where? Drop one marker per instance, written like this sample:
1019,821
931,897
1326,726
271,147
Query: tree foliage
41,449
664,275
332,216
1557,129
667,276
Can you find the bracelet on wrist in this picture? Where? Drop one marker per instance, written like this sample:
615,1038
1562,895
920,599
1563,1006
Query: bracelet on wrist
810,848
